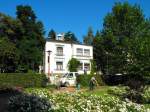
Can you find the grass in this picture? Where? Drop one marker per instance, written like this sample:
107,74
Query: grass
100,91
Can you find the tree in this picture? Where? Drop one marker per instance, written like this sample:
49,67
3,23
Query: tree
73,65
124,22
32,43
70,37
8,56
88,39
25,14
10,28
124,45
10,33
52,34
24,36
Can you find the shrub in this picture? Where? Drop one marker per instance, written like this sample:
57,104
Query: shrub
85,79
118,91
73,65
5,94
22,80
146,96
28,103
134,96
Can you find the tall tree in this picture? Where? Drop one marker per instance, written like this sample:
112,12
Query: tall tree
88,39
10,28
10,34
32,44
24,37
25,14
70,37
52,34
124,22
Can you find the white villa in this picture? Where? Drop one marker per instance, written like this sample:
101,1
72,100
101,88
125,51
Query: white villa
58,53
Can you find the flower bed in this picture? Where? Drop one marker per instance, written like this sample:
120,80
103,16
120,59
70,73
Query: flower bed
79,102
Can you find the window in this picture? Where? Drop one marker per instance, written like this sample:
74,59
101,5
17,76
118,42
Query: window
59,65
81,66
76,74
87,52
59,51
70,75
86,66
79,51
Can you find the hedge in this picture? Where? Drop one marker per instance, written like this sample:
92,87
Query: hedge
9,80
85,79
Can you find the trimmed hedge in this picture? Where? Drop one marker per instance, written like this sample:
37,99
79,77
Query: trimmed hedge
85,79
9,80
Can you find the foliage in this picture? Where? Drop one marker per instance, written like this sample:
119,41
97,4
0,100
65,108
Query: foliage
29,103
93,66
85,79
70,37
24,37
52,34
146,95
133,95
122,24
88,39
81,102
73,65
32,44
123,46
118,91
5,94
22,80
8,56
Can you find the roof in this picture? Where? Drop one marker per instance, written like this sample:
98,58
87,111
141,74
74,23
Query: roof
66,42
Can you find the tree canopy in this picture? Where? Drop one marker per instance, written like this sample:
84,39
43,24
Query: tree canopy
70,37
24,37
52,34
88,39
125,24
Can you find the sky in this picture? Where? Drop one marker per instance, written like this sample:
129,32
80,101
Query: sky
70,15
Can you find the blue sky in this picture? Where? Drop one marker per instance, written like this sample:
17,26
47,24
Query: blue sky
70,15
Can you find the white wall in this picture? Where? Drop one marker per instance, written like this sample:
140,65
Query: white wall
69,51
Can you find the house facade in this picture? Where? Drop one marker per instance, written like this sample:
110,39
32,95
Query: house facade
58,53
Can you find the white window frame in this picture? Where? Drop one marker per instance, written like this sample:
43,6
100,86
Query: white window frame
79,53
59,52
87,52
59,67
